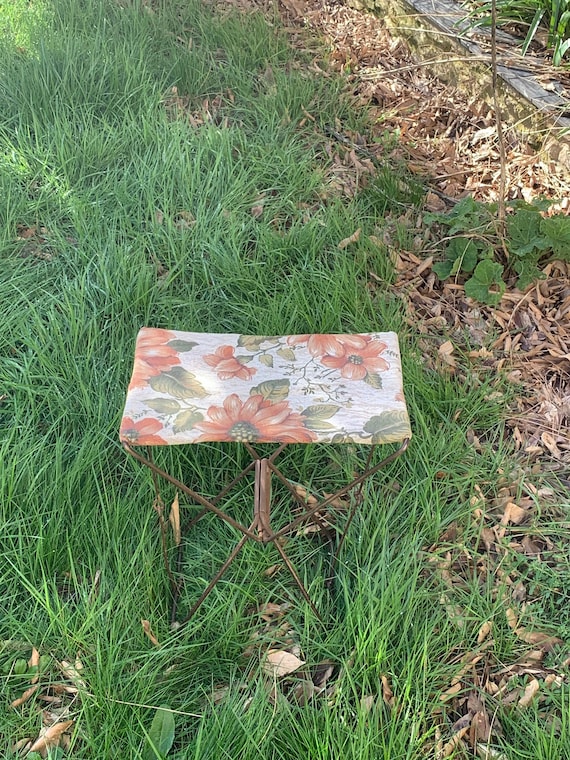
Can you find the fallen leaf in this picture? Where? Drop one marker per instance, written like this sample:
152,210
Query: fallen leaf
544,640
512,618
303,494
25,233
321,674
513,514
367,703
72,672
445,352
451,745
303,691
349,240
25,696
337,502
530,692
174,518
553,680
34,662
484,631
148,631
296,8
451,692
279,663
50,737
23,745
461,723
485,752
387,693
271,611
550,442
257,209
184,220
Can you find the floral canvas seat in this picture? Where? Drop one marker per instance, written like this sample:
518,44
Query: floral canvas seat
189,387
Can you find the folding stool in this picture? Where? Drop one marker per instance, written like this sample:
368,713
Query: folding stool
190,388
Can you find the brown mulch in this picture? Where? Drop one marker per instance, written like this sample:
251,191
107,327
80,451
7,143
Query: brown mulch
527,338
447,139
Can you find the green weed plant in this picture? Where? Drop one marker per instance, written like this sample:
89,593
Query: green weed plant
474,249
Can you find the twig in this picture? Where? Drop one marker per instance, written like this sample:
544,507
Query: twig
158,506
499,125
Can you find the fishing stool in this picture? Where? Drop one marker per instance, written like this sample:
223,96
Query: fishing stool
192,388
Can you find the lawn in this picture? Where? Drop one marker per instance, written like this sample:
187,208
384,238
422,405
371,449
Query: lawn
171,166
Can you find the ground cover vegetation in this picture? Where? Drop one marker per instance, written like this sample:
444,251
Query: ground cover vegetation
170,166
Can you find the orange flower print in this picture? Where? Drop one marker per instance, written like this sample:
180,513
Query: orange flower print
357,363
152,355
227,366
333,345
256,419
142,433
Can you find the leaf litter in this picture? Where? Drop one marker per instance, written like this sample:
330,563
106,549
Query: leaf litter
53,694
274,650
496,551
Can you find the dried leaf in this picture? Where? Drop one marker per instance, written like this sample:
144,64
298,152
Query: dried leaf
271,611
338,502
387,693
512,618
22,745
446,349
25,696
349,240
485,752
550,442
532,689
451,745
303,691
34,662
257,208
513,514
279,663
25,233
72,673
307,497
148,631
174,518
184,220
50,737
484,631
321,674
544,640
367,703
445,354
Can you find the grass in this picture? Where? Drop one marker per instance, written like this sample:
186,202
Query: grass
117,215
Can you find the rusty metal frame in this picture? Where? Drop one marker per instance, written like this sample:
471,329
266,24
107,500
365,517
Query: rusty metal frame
260,529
